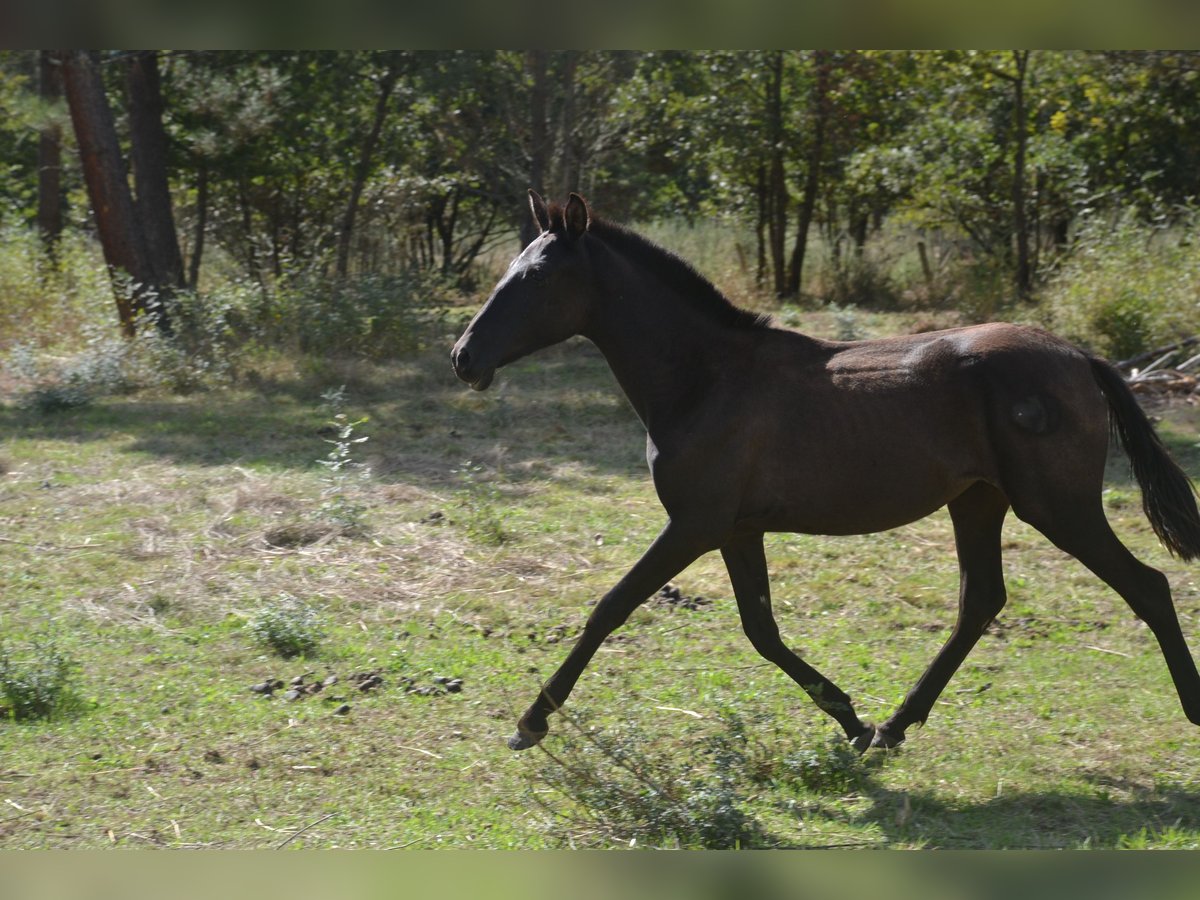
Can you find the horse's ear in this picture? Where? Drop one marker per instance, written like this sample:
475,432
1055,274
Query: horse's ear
541,214
576,216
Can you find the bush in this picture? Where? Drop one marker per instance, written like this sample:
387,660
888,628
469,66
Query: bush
862,281
1128,287
374,316
35,682
619,789
289,627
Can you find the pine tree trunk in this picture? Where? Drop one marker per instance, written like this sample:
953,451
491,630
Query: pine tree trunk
363,168
108,189
812,178
50,211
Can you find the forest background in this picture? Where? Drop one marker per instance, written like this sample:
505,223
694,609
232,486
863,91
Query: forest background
230,619
329,201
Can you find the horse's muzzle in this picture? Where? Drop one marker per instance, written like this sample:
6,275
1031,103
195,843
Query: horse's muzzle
479,378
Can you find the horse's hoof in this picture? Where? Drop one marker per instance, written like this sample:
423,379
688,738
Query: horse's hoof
524,739
864,741
885,740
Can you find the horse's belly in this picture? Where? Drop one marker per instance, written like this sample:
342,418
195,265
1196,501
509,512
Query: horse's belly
868,502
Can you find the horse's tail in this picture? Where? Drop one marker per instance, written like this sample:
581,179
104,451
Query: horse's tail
1168,495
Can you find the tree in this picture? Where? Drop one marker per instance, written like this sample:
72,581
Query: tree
386,84
152,198
104,173
49,165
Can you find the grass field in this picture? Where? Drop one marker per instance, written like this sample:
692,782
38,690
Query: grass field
144,538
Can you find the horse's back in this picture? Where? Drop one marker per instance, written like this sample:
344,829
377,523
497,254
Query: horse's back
867,435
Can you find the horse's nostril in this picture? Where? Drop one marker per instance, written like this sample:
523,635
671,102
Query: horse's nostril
460,358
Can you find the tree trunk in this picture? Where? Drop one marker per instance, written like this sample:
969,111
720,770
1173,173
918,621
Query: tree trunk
1024,272
201,224
777,194
760,228
156,218
108,189
812,178
568,165
536,64
363,168
50,207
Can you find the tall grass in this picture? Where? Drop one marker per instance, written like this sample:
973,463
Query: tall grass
60,344
1127,287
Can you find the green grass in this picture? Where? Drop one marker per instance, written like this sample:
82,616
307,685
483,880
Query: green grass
138,531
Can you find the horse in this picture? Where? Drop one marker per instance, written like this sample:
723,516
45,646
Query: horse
752,428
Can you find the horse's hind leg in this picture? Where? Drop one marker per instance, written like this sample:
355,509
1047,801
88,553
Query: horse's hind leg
977,515
1080,528
747,565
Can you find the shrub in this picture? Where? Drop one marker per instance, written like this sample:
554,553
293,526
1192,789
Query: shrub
35,682
619,788
372,316
1128,287
288,626
836,768
338,508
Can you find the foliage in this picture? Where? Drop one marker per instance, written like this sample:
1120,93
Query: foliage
35,680
406,170
341,469
372,316
288,626
483,507
621,788
1129,287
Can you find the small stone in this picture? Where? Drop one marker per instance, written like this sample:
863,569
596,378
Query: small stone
342,710
454,685
330,681
263,687
293,694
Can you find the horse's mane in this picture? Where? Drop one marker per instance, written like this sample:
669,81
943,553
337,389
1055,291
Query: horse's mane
679,274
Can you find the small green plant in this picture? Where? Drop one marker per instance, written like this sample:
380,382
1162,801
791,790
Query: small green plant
341,469
35,681
848,327
51,385
1128,286
835,768
483,506
288,626
617,787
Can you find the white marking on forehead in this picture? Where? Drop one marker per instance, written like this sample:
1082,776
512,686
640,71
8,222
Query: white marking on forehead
529,260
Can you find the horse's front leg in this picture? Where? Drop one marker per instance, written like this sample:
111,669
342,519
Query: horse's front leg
672,551
747,565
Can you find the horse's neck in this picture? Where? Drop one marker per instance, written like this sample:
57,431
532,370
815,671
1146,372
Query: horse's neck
661,349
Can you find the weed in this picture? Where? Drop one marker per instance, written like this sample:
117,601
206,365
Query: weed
1127,286
371,316
341,469
621,788
288,626
48,384
835,768
35,683
1172,837
862,282
483,506
848,327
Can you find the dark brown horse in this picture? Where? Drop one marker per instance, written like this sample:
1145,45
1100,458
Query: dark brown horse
752,428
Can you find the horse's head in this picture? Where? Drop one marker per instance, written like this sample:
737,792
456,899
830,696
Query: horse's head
541,300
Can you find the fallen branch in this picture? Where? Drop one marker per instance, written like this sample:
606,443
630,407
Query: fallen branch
1126,364
307,827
